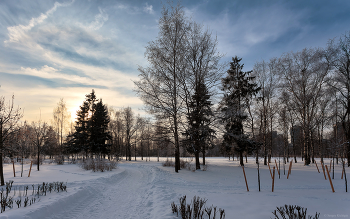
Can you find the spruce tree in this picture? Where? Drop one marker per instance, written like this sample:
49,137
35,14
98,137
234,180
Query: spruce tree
99,129
79,140
238,87
91,128
199,133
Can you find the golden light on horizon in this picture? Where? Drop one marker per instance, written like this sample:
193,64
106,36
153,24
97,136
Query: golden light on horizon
73,113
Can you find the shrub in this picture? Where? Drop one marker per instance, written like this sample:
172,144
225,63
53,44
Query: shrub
168,163
6,160
196,209
9,197
35,161
293,212
184,164
98,165
59,159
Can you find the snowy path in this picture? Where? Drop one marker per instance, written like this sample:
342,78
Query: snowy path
129,194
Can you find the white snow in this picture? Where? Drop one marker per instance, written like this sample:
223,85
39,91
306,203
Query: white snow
140,189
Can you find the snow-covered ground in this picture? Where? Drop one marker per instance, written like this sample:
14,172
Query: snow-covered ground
140,189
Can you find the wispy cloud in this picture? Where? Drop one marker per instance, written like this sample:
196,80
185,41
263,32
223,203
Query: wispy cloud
19,32
135,9
257,25
148,9
100,19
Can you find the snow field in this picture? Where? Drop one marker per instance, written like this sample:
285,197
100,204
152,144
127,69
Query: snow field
140,189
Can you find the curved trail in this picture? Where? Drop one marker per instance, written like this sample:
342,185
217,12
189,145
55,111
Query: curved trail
133,193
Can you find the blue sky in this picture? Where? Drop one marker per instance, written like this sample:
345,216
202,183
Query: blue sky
63,49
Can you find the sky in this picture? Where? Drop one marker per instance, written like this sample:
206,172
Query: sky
65,48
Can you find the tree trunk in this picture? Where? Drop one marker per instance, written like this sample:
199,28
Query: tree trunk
203,154
177,145
241,158
129,150
198,166
348,151
38,157
1,147
142,151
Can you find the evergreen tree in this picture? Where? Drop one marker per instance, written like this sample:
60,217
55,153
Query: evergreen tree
199,134
99,129
91,128
238,87
79,140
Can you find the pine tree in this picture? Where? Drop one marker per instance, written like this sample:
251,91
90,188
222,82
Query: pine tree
199,133
238,87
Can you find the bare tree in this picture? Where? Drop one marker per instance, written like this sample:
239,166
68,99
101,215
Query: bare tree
200,84
131,126
161,136
338,55
304,77
116,127
267,79
160,84
23,140
40,129
9,117
61,120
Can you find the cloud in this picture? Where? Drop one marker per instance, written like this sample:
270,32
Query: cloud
19,32
52,73
241,31
148,9
134,9
100,19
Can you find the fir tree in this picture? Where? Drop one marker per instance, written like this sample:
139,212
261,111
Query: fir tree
199,134
238,87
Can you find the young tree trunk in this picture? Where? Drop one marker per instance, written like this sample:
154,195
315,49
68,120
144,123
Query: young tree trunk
177,147
1,149
129,150
241,158
38,157
203,154
198,166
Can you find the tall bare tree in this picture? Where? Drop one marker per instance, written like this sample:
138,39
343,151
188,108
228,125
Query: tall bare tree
160,84
116,127
40,129
131,126
61,120
304,74
267,79
9,118
201,80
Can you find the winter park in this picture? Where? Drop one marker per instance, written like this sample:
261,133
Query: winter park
192,110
